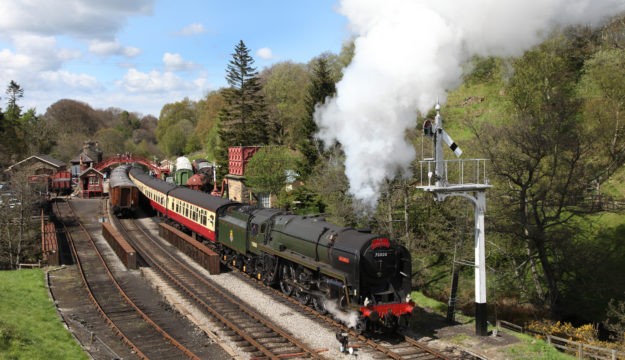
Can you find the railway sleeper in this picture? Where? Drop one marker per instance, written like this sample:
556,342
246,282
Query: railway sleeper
260,330
264,335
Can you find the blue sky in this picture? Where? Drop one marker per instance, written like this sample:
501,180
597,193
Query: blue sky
141,54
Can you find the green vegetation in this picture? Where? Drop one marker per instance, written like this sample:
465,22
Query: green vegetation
29,326
427,302
551,122
243,118
267,170
532,348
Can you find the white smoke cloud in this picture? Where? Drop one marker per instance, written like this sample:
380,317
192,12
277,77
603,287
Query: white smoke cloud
408,53
348,318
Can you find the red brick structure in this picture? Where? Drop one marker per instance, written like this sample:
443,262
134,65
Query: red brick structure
238,157
90,183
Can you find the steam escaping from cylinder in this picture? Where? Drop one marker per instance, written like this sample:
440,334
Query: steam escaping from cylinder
408,53
350,319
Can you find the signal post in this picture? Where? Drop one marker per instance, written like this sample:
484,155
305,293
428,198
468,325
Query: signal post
447,178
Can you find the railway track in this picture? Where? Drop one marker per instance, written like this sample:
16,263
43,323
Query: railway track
402,347
398,347
147,339
255,335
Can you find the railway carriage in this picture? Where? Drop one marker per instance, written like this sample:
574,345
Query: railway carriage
61,183
310,259
123,193
184,170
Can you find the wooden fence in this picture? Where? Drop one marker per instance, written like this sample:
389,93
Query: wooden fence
581,350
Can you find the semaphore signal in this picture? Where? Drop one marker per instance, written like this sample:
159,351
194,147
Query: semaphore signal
442,186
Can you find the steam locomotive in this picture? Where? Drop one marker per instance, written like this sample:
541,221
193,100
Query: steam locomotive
326,266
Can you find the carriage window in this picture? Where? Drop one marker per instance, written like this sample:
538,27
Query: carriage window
263,227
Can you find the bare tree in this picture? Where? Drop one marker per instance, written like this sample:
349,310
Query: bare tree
18,228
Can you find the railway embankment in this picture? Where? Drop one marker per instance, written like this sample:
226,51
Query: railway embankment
29,325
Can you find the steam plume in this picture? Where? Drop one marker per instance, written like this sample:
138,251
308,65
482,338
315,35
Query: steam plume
349,318
408,52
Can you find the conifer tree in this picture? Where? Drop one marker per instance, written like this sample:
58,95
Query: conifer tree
322,86
243,121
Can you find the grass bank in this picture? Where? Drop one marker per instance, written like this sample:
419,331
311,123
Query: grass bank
29,326
528,347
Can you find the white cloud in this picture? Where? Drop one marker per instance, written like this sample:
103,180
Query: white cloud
81,18
154,81
175,62
109,48
265,54
65,80
36,53
193,29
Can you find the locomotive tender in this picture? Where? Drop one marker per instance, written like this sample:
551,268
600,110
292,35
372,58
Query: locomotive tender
312,260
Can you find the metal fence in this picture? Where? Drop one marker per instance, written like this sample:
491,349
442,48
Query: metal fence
455,172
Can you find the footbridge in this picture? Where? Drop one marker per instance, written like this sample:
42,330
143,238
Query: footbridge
131,158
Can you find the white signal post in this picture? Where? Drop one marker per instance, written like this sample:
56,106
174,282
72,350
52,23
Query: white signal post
473,190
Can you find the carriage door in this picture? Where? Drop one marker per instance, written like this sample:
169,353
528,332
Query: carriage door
124,197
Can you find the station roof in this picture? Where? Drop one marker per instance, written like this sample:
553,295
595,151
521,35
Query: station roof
41,158
88,170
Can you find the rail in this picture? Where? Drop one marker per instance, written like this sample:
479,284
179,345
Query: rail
90,293
455,172
581,350
126,298
386,350
214,290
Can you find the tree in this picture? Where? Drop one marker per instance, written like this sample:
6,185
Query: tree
41,136
110,141
536,156
18,229
74,117
243,120
12,134
321,87
329,181
266,172
173,113
615,320
207,113
284,88
604,106
15,93
175,140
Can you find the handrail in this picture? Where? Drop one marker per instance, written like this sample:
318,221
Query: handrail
128,158
455,172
